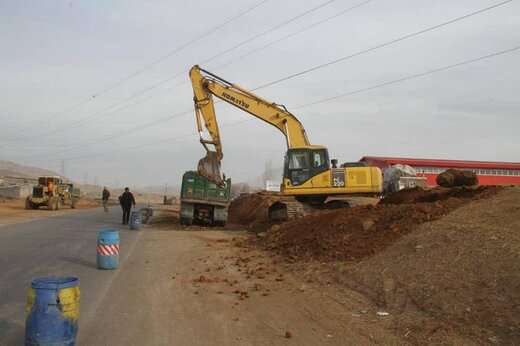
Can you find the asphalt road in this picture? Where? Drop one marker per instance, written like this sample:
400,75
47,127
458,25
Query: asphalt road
56,246
173,287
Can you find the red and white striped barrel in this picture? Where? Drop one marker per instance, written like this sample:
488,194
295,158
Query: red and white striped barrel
108,249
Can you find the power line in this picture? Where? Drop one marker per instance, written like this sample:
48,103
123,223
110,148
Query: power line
365,51
153,63
158,121
357,91
413,76
180,48
386,44
260,48
263,33
165,119
111,108
400,80
135,129
163,140
158,84
306,28
125,103
302,30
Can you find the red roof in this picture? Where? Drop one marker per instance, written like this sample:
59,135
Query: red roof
443,163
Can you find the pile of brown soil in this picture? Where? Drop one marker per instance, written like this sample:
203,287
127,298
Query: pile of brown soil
419,195
251,209
459,273
352,234
455,177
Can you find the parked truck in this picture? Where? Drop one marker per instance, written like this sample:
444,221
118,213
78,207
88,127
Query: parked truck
203,201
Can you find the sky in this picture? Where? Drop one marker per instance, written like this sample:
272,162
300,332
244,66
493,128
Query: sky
100,89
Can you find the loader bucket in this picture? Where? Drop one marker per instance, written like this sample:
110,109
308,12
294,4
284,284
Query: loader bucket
209,167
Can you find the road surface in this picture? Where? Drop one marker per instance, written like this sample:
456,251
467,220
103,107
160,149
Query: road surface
172,288
63,245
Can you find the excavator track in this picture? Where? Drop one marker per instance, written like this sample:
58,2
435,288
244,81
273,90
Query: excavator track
288,208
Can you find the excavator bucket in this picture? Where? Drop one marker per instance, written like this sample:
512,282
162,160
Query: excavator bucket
209,167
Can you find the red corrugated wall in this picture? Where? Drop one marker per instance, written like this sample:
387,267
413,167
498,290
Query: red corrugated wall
383,162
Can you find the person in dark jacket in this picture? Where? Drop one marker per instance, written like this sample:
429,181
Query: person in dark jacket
126,200
104,197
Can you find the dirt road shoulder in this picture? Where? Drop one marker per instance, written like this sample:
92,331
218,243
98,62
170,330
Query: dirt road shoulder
13,211
199,288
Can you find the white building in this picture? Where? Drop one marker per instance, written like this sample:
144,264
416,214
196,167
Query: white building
272,185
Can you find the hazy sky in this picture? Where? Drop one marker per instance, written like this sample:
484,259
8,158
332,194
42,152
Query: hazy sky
57,55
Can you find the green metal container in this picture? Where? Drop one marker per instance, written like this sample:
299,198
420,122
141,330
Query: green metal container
202,201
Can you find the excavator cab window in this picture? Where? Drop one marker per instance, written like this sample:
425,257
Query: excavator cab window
319,159
299,160
303,164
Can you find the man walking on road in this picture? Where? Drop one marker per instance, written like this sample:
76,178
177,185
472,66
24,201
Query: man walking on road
126,200
105,196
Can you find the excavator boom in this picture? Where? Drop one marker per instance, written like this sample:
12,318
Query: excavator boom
205,85
276,115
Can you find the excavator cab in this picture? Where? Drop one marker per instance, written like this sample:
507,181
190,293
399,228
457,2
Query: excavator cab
301,164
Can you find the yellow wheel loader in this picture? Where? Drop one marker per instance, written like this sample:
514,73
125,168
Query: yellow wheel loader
52,192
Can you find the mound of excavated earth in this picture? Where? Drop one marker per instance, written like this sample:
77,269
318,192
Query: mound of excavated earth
355,233
251,209
418,195
462,271
455,177
447,271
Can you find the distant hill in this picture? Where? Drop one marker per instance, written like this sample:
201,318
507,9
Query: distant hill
9,168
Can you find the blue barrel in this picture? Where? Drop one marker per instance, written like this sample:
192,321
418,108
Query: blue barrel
52,312
135,220
108,249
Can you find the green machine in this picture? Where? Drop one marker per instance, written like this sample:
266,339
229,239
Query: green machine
203,201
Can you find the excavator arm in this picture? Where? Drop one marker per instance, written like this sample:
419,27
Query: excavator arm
209,166
205,85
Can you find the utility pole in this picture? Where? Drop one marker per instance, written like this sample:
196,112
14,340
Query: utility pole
165,199
63,168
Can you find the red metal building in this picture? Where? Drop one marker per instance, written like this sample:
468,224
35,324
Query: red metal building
489,173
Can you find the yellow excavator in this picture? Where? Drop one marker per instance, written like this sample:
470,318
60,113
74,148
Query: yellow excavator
309,176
